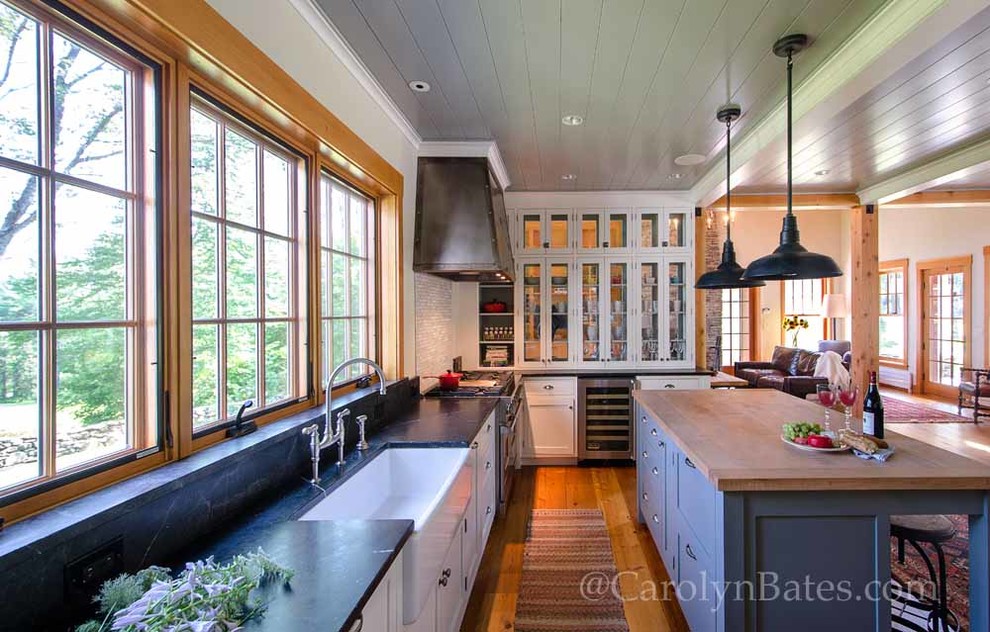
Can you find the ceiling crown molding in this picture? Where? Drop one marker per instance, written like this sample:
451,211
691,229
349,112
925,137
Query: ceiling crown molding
469,149
327,32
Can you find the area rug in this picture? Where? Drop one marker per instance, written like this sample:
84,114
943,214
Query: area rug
563,549
898,411
914,572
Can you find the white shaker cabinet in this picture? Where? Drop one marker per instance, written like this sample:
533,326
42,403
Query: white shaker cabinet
551,421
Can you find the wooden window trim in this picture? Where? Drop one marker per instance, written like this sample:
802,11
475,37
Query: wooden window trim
753,306
904,266
190,41
921,267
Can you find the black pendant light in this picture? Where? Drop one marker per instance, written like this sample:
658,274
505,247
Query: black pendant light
728,274
791,260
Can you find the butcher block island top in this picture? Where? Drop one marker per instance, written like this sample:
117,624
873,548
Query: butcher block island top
733,437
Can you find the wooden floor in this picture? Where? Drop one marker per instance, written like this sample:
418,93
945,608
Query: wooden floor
612,490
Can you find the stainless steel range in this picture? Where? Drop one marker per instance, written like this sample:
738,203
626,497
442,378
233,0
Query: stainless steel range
500,384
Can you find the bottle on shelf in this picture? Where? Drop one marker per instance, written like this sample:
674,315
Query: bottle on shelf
873,409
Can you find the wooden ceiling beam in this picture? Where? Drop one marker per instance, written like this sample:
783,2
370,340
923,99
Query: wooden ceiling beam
972,158
889,40
943,199
801,202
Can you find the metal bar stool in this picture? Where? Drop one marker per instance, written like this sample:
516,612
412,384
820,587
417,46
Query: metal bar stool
934,530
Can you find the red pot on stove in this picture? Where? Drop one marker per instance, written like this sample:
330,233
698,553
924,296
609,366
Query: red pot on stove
450,381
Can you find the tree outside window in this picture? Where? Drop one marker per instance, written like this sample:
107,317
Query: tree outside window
77,242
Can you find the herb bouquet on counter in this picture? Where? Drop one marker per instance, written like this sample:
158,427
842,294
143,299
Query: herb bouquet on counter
205,597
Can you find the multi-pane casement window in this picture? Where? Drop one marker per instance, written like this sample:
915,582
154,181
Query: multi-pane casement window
893,312
803,297
347,273
78,250
735,326
248,275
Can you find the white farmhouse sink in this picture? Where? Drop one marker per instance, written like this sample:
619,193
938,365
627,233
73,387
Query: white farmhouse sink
430,486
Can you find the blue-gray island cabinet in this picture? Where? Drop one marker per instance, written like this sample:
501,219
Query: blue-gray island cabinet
758,536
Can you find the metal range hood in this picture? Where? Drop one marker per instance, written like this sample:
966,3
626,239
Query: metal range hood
462,232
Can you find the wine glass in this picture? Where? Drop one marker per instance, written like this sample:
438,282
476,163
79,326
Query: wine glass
827,398
848,398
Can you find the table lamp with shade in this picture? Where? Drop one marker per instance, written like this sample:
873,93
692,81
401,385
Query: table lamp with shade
834,306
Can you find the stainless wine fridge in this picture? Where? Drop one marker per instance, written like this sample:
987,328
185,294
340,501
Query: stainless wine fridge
605,418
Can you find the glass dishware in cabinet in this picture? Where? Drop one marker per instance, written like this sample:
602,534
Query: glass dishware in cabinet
650,339
546,309
678,348
531,288
544,231
592,308
617,309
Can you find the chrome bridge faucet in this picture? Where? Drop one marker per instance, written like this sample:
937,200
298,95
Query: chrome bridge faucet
328,438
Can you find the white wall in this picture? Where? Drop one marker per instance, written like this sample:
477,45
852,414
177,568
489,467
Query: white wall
275,27
756,233
919,234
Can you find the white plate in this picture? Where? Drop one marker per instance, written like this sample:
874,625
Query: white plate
808,448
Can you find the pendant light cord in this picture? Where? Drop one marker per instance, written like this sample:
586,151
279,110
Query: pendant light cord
790,65
728,181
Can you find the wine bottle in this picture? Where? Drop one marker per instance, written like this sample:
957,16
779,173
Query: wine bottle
873,409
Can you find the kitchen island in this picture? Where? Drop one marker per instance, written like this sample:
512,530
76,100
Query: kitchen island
758,535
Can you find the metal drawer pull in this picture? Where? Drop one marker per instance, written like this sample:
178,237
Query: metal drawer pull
488,511
358,625
488,465
687,549
669,386
548,387
688,463
446,572
646,496
661,444
644,420
655,519
474,446
653,431
443,581
646,454
656,472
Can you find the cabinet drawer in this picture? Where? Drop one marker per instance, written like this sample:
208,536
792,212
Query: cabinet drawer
657,383
563,386
695,569
696,499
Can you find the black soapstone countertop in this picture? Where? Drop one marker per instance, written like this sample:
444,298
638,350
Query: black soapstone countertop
338,564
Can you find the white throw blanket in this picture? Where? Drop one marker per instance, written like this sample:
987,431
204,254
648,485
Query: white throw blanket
830,366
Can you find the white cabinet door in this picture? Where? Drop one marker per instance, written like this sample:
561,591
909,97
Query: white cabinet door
383,612
618,309
678,348
544,232
552,427
450,591
589,326
544,293
678,231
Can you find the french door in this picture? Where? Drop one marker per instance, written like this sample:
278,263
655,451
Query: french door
945,297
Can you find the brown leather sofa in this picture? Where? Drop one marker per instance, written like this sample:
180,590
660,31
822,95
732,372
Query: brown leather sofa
789,370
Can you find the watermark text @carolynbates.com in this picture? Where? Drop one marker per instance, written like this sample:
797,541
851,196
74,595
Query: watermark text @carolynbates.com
596,586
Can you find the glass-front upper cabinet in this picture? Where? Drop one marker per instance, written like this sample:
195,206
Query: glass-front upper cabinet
544,232
591,312
617,310
560,310
650,341
531,285
605,231
545,296
668,230
676,283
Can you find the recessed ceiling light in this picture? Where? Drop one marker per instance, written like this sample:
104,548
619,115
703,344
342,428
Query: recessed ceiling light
690,160
572,120
674,176
419,86
823,172
568,176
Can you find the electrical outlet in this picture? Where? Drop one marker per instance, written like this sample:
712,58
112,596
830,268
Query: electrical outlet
85,574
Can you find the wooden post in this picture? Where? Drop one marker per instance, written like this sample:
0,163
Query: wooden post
864,222
700,315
